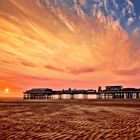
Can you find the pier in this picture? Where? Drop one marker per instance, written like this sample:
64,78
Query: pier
110,92
118,92
46,93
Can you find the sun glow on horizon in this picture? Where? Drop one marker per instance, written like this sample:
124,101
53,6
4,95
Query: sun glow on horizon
6,90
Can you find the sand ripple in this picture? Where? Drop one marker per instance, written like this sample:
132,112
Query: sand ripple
68,121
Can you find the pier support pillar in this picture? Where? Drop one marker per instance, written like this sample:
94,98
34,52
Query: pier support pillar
60,96
72,96
85,96
137,95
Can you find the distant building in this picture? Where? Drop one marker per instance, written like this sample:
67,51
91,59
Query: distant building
113,88
37,93
90,91
99,89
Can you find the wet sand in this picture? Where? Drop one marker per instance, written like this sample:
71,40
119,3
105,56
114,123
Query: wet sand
70,120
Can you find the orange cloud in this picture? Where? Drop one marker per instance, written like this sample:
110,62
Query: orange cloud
128,72
72,70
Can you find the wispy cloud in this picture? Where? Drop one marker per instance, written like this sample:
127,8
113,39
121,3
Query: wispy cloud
128,72
73,70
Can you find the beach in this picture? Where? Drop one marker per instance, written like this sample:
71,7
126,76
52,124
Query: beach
69,119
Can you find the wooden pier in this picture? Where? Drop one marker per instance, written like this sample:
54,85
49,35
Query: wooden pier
45,93
110,92
118,92
119,95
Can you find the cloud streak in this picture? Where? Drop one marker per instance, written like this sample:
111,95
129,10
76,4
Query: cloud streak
72,70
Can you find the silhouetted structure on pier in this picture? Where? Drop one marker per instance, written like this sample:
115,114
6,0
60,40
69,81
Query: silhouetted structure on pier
38,93
46,93
118,92
110,92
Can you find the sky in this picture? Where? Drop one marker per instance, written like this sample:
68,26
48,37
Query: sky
59,45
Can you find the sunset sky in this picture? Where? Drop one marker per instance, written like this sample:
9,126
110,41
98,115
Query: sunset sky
60,44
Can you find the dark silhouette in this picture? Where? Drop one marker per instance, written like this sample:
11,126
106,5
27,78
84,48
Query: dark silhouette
110,92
